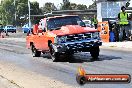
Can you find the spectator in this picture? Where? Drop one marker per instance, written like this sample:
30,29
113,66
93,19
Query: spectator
123,22
130,21
95,21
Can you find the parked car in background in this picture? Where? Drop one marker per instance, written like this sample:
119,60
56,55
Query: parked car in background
88,23
1,28
26,28
10,28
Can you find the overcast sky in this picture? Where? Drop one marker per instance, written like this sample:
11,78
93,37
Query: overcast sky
56,2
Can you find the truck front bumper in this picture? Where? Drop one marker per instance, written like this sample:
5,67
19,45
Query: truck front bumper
80,46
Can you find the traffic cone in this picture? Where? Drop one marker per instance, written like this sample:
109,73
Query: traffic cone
1,36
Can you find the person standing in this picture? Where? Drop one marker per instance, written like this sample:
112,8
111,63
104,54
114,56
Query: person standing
123,22
130,20
95,21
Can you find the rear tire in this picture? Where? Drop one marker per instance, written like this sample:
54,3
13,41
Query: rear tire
95,52
35,52
54,55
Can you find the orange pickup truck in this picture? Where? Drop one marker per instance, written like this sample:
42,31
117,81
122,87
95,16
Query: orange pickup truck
63,35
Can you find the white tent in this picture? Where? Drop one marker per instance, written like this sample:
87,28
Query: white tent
109,9
130,4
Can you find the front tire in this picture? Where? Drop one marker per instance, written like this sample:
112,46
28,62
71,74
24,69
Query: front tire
95,52
69,56
54,55
35,52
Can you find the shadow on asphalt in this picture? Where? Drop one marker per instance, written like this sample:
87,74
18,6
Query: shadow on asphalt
82,57
47,56
106,57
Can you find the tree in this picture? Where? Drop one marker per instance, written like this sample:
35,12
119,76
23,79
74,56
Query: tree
66,6
81,7
73,6
93,6
7,9
128,3
35,10
23,11
48,7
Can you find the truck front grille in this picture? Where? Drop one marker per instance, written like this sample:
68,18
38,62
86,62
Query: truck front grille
79,37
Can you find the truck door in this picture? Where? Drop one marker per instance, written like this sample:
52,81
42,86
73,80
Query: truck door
42,36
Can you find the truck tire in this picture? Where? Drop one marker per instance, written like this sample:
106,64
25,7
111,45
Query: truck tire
35,52
54,55
69,57
95,52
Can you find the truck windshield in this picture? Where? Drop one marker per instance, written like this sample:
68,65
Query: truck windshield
57,23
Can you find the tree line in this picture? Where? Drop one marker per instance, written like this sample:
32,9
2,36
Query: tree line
8,8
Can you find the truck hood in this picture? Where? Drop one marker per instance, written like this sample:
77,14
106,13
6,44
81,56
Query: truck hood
73,29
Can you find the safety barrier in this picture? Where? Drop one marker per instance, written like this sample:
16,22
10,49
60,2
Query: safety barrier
103,27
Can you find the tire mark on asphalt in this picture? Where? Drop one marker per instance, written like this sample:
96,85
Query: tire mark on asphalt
12,45
10,49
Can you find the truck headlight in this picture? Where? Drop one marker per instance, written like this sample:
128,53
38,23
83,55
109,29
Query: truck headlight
61,39
95,35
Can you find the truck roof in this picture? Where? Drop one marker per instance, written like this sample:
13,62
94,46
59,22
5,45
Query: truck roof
61,16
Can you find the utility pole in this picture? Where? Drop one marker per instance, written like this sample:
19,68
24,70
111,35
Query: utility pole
15,10
29,15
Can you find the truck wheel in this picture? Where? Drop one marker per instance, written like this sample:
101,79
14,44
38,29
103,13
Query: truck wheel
69,56
95,52
54,55
35,52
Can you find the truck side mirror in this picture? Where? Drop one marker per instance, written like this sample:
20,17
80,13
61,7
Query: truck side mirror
44,30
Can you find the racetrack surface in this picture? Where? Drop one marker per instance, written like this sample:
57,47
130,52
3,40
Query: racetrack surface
17,59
